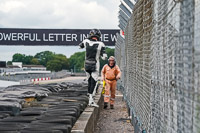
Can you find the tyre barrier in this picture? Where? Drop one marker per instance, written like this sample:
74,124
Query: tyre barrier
48,127
47,118
10,132
47,131
50,108
4,115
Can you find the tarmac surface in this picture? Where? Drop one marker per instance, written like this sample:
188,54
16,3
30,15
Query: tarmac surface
4,83
115,120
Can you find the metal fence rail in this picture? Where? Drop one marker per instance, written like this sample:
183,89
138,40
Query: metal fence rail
29,77
160,62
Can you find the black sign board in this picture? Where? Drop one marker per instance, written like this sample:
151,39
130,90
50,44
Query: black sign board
2,64
66,37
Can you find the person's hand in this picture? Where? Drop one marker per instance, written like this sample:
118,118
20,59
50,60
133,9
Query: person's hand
118,77
102,78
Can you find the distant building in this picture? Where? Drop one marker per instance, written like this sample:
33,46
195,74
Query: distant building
18,68
19,64
34,67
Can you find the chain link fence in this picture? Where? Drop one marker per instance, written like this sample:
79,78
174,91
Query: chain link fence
160,62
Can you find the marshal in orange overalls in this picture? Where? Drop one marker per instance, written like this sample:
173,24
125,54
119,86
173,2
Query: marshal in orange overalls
110,73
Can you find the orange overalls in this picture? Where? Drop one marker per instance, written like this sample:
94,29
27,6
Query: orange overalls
110,75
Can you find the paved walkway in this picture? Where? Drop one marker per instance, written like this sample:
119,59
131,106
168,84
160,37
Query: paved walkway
115,120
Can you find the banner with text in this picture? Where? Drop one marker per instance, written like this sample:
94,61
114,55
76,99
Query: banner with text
52,36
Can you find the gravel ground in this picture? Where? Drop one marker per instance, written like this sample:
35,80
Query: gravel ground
115,120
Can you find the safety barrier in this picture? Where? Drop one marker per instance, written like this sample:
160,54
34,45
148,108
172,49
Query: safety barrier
160,62
40,79
33,81
43,108
42,76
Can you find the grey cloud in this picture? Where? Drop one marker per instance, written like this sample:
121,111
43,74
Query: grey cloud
60,14
74,14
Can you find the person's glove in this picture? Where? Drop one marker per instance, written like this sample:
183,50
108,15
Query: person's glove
118,77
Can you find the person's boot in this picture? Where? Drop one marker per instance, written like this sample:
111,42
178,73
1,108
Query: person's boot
111,106
91,101
105,105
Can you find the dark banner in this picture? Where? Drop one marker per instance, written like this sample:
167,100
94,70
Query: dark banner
52,36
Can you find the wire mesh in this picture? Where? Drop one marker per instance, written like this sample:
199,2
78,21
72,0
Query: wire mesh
160,62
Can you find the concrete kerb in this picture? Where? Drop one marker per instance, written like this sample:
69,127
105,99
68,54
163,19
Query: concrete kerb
87,121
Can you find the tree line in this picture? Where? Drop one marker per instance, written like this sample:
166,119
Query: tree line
57,62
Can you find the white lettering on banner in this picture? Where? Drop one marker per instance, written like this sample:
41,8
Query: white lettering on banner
32,38
62,37
37,39
81,38
68,37
74,37
113,38
7,36
44,39
51,38
1,36
26,35
85,36
14,36
56,36
105,37
20,36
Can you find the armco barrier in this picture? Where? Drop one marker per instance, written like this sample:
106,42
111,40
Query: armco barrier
87,121
160,63
33,81
40,79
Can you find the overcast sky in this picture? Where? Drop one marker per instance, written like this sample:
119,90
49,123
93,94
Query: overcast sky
55,14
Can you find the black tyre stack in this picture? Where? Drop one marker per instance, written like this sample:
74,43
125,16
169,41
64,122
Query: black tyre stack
55,113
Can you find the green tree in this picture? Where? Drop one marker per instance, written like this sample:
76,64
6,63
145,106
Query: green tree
109,52
9,63
57,62
27,60
77,61
35,61
52,61
44,57
18,57
22,58
54,65
62,60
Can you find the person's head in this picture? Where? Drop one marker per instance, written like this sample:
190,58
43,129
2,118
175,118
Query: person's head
95,34
94,38
111,61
